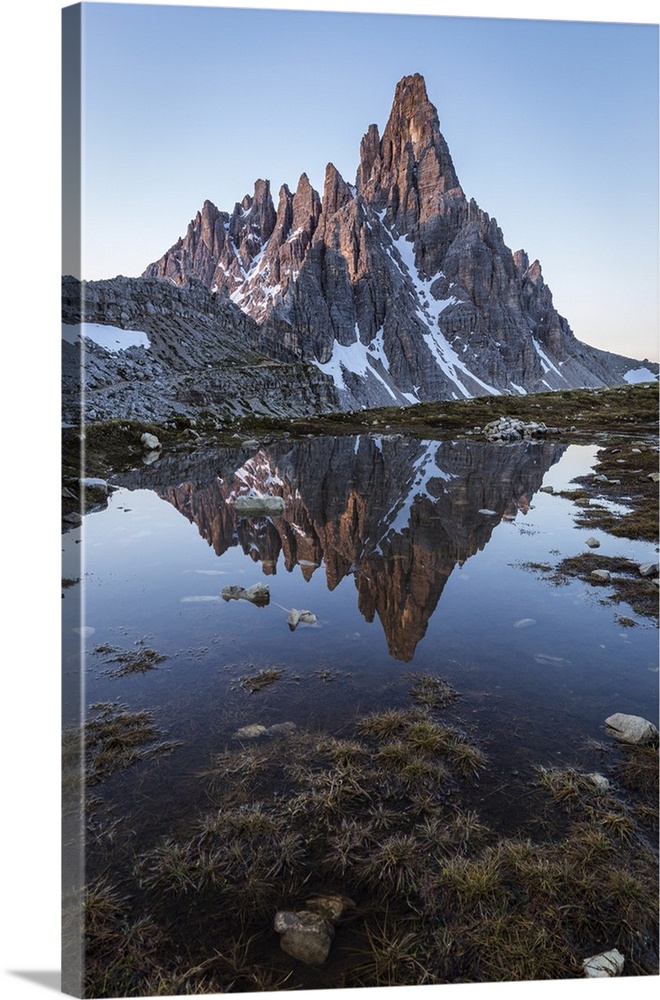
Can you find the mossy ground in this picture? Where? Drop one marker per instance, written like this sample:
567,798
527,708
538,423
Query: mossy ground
378,813
575,413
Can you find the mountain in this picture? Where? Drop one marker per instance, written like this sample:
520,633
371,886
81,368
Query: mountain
398,287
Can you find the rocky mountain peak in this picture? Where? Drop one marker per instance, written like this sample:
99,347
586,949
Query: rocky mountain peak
400,288
409,173
413,118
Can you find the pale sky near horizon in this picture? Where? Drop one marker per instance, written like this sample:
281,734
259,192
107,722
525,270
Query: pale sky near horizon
552,126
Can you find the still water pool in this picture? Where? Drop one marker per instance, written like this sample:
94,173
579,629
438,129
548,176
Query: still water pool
414,557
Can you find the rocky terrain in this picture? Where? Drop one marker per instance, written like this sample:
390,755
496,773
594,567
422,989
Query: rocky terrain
202,358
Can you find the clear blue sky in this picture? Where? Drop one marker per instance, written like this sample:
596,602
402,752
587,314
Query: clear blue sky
552,125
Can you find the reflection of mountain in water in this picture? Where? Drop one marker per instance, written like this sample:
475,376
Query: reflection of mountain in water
395,513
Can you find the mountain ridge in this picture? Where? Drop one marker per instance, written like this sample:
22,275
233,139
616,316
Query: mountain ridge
398,287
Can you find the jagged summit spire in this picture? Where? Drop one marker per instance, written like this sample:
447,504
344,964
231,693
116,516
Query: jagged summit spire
412,116
409,172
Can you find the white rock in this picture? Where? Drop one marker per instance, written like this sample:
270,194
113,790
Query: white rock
490,513
258,593
648,569
592,542
608,963
93,482
599,780
251,732
295,617
630,728
150,442
654,477
258,506
547,489
600,575
306,936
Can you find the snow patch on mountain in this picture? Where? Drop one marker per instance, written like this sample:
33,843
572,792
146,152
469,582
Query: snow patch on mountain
637,375
112,338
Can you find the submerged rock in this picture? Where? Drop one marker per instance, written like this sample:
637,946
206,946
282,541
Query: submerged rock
608,963
599,780
630,728
251,732
256,731
258,593
551,661
259,506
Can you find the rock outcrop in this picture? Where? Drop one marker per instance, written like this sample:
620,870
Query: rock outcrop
398,287
204,357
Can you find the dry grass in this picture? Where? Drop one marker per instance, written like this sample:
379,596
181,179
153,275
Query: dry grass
379,815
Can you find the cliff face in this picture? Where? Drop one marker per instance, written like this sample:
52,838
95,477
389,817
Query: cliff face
398,515
398,287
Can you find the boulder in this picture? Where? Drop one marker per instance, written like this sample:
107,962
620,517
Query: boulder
648,569
150,442
630,728
600,575
259,506
608,963
258,593
592,542
305,935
